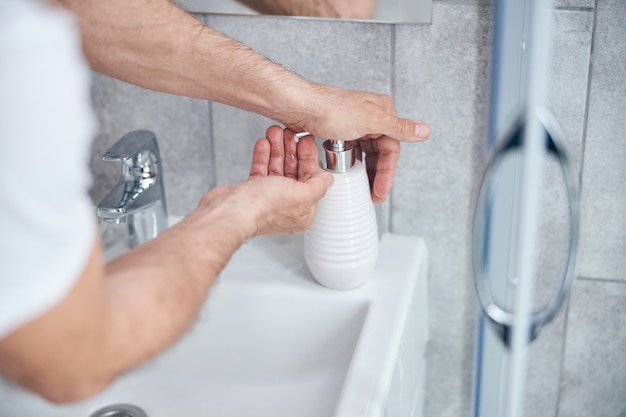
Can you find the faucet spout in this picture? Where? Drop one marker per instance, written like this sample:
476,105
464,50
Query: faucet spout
138,199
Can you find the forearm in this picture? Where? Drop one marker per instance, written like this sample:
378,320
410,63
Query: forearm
119,316
157,289
156,45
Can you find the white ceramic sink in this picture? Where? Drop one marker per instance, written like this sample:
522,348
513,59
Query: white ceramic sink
271,342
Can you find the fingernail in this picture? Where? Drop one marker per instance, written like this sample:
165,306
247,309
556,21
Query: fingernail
422,130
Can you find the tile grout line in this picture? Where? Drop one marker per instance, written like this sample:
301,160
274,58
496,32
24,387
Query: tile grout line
604,280
213,182
562,364
491,3
587,99
392,86
575,8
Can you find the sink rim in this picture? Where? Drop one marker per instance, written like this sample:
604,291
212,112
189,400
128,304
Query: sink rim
401,268
388,294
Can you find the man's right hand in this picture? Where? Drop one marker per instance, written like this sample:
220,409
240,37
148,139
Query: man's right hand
370,118
156,45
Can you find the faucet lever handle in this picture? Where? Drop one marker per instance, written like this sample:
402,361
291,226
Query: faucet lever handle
133,144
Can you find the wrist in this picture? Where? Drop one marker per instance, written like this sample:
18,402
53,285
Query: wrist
227,209
300,104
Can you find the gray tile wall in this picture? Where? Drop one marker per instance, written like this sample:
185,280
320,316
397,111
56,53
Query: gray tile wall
594,372
441,77
439,74
593,381
603,246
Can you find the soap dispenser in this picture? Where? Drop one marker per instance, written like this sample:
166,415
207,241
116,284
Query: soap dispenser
341,247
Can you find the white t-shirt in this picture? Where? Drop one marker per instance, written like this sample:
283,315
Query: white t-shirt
47,221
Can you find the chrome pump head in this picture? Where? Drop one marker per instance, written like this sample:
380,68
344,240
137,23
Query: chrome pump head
339,155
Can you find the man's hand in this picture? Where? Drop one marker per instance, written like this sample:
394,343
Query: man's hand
339,113
287,180
283,189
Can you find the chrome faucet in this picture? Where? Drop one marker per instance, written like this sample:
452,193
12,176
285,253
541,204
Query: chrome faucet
139,198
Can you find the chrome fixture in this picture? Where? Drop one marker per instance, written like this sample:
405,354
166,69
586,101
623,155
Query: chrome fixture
139,198
120,410
339,155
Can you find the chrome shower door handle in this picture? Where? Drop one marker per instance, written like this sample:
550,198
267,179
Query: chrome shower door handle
501,317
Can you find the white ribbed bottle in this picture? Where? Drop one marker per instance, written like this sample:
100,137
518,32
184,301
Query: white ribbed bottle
341,247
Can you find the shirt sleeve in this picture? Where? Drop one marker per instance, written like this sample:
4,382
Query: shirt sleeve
47,220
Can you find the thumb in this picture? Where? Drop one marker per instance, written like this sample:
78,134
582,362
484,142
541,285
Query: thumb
318,184
405,130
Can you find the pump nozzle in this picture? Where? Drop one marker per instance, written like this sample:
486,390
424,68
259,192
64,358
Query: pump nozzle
339,155
338,145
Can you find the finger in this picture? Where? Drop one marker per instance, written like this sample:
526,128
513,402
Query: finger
291,159
318,184
274,135
368,145
308,162
260,158
370,148
358,151
404,130
387,158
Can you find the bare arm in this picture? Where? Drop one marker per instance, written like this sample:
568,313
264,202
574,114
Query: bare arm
120,314
154,44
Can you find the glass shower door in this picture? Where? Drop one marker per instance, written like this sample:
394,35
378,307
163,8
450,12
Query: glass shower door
522,135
